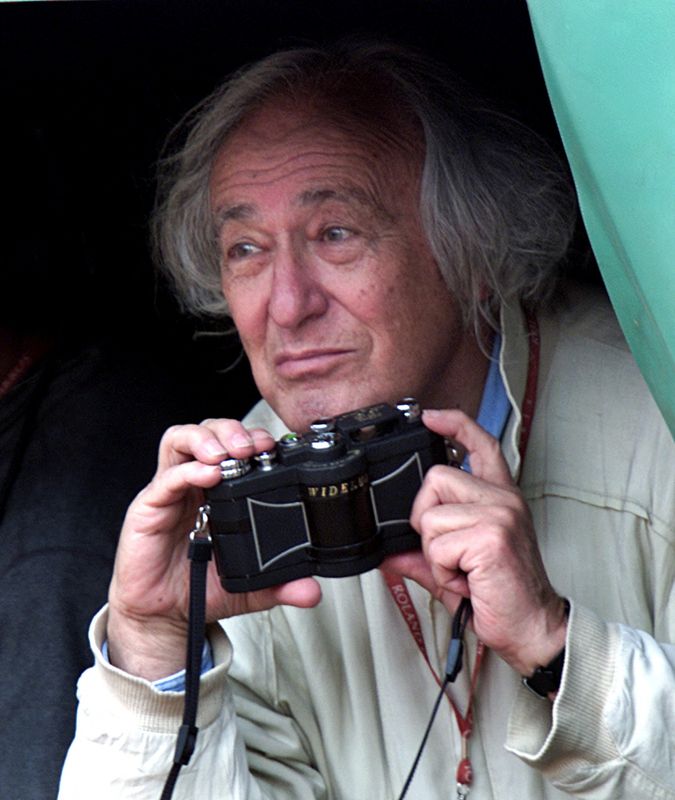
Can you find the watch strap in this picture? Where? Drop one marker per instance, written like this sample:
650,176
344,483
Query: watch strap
545,680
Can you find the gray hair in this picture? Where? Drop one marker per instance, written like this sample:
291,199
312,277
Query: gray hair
495,202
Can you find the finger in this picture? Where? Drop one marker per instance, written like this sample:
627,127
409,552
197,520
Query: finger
239,441
415,566
183,443
210,442
303,593
445,485
410,565
495,545
173,484
441,518
484,451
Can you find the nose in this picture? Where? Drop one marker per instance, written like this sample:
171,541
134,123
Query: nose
297,293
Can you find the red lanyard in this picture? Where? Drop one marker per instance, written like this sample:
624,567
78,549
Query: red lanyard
399,592
404,603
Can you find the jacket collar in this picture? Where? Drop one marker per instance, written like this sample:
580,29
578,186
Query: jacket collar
514,362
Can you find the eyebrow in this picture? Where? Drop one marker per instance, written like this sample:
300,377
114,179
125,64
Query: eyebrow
310,197
233,213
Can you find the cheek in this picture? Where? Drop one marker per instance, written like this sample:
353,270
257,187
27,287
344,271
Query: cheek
376,306
247,312
400,304
416,315
385,312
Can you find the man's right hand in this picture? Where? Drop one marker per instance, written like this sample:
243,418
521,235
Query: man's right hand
149,592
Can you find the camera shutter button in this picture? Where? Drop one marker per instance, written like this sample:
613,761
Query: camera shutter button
266,460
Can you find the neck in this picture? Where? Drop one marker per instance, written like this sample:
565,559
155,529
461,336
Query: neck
463,386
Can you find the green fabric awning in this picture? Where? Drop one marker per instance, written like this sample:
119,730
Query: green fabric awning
609,66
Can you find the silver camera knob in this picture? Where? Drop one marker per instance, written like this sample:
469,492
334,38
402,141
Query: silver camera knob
234,467
410,409
266,460
323,441
324,425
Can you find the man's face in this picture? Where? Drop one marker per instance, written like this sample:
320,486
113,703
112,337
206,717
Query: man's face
329,279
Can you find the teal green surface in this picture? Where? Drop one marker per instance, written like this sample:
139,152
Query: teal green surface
609,66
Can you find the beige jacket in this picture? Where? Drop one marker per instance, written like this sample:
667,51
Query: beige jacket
332,702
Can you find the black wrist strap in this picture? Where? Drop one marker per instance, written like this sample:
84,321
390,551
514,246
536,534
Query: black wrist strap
545,680
199,554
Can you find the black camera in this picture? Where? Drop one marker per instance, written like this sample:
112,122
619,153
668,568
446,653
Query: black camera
332,502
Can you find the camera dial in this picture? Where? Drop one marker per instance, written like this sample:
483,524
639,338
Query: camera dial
266,460
234,467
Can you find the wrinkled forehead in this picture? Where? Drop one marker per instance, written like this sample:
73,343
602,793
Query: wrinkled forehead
347,104
285,135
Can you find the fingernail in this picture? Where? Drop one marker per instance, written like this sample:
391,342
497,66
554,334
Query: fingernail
215,448
431,412
259,436
242,440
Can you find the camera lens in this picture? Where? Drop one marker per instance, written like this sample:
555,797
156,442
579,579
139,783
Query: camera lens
339,511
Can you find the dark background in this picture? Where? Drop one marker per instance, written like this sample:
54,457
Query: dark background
90,90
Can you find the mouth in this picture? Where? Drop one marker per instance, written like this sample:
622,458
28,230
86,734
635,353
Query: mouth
309,363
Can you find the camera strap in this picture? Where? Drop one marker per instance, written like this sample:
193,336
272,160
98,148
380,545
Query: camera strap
199,553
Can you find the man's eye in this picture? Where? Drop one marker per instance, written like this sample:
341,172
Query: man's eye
242,250
336,233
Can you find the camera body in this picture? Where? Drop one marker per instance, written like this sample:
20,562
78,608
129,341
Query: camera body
332,502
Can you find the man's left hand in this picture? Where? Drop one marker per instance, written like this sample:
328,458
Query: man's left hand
478,541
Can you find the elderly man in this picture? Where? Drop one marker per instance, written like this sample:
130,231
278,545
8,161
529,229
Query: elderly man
375,233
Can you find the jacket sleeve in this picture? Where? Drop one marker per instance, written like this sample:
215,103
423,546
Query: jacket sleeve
126,736
611,730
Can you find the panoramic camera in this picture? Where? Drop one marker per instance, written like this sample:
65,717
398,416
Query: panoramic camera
332,502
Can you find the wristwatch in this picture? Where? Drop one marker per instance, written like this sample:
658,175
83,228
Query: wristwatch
545,680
